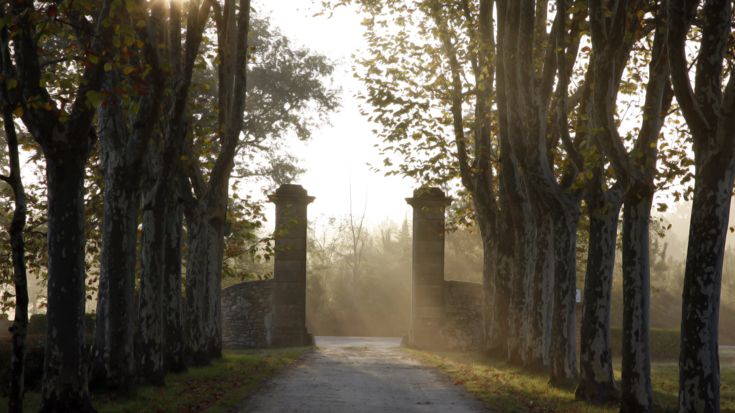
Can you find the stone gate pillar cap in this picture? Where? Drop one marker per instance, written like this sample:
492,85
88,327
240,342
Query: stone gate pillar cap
431,195
291,192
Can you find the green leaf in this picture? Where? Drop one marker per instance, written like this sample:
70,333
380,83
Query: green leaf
94,98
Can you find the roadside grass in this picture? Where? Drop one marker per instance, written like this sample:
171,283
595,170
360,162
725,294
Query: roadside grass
511,389
214,389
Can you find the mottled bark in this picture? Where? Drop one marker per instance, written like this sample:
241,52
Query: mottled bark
523,260
483,192
498,341
65,371
489,262
562,352
710,114
636,389
596,379
196,352
172,293
212,196
152,317
635,172
112,358
699,362
113,363
149,347
215,250
541,295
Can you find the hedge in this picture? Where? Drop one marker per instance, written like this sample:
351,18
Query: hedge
35,349
37,323
665,343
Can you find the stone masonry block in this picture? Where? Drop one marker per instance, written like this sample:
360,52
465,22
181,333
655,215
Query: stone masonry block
429,248
429,312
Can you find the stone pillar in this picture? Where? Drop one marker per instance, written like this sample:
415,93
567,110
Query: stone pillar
288,327
427,310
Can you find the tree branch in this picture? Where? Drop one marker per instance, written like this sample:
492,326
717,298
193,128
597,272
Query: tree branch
458,120
681,13
563,86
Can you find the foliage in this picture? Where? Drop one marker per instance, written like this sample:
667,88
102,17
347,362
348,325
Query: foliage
409,86
297,81
290,92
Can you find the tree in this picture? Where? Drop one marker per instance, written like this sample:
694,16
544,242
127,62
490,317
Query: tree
66,137
635,172
422,102
709,112
123,137
358,237
206,209
285,92
527,92
157,192
428,102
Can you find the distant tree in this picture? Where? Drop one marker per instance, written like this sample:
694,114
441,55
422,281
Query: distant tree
709,111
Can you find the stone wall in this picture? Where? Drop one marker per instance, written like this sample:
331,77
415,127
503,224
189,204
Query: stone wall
247,314
462,328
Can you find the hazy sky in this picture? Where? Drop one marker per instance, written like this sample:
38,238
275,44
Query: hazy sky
339,153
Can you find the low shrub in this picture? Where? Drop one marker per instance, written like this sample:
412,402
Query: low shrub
37,323
33,371
665,343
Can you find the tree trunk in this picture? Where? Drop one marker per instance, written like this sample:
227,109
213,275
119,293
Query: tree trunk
488,232
562,352
64,370
113,363
215,240
149,349
17,245
636,393
197,309
489,262
541,296
523,260
597,382
498,342
173,331
699,363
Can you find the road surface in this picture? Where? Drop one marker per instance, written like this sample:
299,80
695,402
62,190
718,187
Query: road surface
360,374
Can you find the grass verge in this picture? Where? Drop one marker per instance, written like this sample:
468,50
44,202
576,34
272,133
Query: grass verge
214,389
511,389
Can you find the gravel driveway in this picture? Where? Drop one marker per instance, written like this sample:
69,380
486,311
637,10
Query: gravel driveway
360,374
